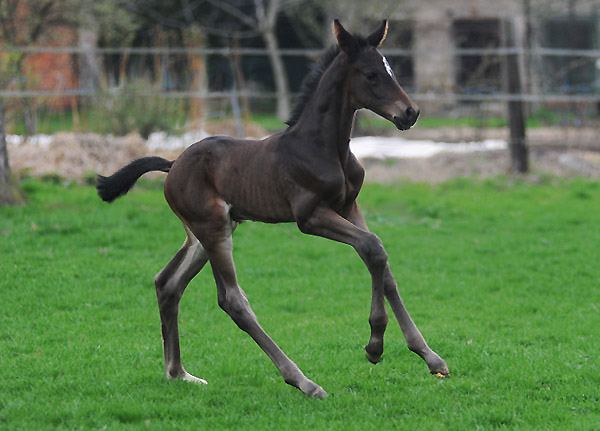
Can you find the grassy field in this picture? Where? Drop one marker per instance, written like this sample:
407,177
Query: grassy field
502,277
97,121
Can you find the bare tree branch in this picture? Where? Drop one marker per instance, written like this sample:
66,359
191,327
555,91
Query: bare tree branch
261,16
232,10
273,10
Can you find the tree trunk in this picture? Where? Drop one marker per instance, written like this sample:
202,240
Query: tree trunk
29,117
90,68
279,74
10,193
27,103
264,22
239,80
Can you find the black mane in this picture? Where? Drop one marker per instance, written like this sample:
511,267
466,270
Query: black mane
310,82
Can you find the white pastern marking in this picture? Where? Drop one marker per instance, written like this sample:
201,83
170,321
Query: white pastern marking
189,378
387,66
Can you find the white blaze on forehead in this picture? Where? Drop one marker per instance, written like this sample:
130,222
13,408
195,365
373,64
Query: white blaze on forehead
387,66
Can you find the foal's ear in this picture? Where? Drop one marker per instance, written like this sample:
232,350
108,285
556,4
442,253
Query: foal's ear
378,36
345,40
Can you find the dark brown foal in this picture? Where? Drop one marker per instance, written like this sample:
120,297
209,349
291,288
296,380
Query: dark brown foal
305,174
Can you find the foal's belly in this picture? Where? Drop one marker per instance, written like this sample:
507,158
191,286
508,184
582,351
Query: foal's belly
251,183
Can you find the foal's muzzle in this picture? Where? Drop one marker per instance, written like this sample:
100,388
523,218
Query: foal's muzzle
407,118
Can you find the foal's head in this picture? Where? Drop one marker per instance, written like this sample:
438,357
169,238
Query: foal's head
372,83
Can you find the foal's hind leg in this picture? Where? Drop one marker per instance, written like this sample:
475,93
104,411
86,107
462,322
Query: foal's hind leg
233,300
170,284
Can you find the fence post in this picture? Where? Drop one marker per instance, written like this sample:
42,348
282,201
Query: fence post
519,157
10,192
195,39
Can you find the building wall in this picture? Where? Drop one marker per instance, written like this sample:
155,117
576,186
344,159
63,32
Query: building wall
434,43
435,64
53,71
45,71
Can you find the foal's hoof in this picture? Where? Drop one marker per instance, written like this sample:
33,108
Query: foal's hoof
318,392
311,389
438,367
373,355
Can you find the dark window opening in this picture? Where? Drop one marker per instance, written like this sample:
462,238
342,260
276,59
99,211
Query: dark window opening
570,74
400,36
477,73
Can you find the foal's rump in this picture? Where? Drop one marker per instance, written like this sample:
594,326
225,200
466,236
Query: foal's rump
118,184
243,174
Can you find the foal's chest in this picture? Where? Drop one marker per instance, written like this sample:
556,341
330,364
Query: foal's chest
342,186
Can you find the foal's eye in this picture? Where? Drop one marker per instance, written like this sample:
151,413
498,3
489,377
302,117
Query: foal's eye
372,77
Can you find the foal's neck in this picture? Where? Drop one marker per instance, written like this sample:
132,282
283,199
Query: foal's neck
328,118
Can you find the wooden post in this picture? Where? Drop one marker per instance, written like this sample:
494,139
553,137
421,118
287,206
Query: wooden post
195,39
519,157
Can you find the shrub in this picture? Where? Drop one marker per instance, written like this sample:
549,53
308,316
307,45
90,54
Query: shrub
136,106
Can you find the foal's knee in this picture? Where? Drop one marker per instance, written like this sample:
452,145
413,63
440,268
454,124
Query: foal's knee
372,252
236,305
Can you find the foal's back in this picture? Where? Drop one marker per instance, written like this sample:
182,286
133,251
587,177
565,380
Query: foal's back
244,174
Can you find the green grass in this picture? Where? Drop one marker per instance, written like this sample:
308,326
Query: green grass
47,122
502,277
95,120
370,122
174,118
540,118
268,122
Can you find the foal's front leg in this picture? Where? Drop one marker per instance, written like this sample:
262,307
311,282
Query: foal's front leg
353,231
378,317
412,335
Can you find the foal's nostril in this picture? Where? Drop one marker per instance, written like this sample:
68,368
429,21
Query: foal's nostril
411,114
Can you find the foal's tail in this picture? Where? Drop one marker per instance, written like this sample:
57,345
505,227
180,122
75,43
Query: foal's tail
119,183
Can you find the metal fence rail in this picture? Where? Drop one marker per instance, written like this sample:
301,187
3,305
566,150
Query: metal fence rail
447,96
311,53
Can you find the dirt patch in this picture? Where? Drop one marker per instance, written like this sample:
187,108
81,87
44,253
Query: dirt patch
74,156
79,156
483,164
